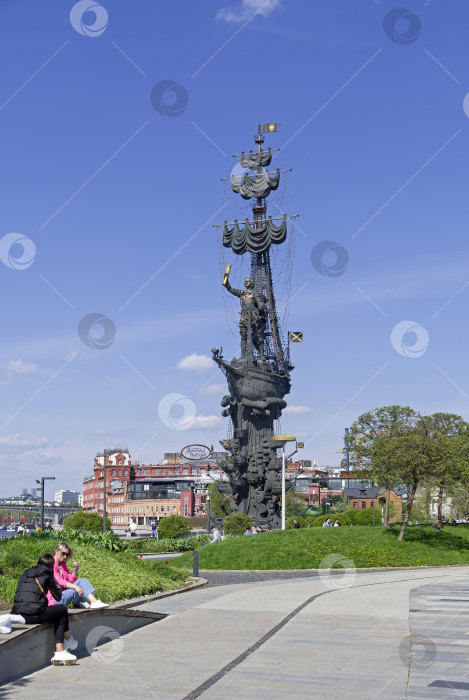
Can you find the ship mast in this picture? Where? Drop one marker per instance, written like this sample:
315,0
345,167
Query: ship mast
260,264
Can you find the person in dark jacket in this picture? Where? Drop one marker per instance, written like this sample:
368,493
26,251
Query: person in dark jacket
31,602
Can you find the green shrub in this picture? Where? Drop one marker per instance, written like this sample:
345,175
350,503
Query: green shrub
236,523
173,526
301,522
365,517
93,522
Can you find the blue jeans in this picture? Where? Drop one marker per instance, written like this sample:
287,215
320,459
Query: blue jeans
69,595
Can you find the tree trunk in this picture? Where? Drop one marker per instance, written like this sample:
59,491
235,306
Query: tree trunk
386,508
410,500
440,507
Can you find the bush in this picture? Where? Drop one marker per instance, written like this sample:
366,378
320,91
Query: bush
173,526
92,522
236,523
301,522
365,517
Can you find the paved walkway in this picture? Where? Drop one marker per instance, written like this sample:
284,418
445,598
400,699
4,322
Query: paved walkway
395,634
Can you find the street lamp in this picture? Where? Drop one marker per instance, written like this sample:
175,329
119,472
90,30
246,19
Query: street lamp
282,441
43,479
207,501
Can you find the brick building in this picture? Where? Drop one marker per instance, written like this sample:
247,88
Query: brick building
148,491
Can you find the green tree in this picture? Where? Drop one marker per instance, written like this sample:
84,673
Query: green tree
219,503
92,522
410,456
459,495
237,524
295,501
451,455
387,421
173,526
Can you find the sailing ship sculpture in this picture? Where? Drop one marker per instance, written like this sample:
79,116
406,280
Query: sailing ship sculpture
259,379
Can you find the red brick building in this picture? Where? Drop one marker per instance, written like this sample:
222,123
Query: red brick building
123,503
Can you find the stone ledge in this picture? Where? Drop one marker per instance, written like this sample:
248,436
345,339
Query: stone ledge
30,647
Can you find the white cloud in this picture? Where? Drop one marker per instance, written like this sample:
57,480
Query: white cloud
20,367
196,363
214,389
18,443
296,410
47,457
247,9
205,422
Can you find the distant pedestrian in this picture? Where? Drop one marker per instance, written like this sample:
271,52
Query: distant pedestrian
154,529
296,525
38,527
336,522
247,532
259,529
48,525
436,526
216,537
253,530
21,529
327,523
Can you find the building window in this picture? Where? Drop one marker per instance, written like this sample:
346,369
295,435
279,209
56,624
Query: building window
176,471
146,487
125,472
363,504
167,509
174,509
147,472
184,471
113,472
120,472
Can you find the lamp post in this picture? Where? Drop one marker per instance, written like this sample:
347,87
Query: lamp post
282,440
43,479
207,500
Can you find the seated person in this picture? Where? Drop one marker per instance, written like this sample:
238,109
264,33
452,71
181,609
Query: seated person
74,590
31,603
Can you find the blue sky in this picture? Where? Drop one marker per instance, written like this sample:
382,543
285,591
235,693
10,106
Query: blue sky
112,202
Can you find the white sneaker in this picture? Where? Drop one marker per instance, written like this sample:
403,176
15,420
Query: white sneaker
70,643
63,658
84,605
98,604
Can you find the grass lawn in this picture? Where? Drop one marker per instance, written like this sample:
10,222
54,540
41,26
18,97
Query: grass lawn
366,546
115,575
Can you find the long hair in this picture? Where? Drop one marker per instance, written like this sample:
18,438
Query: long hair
47,560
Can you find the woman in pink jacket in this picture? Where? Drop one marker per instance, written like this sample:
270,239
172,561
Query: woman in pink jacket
78,591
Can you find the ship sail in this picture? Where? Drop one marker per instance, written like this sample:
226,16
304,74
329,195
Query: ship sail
255,160
244,239
259,186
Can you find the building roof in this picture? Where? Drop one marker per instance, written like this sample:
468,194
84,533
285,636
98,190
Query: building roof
368,492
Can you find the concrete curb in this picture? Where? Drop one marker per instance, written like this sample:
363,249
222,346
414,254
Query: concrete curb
358,571
133,602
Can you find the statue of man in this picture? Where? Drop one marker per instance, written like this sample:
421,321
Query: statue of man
252,321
